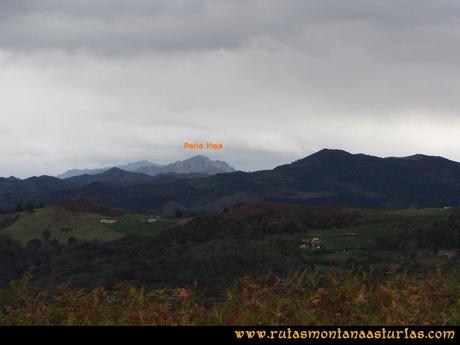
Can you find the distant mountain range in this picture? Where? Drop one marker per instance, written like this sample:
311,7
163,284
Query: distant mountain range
196,165
123,178
128,167
326,177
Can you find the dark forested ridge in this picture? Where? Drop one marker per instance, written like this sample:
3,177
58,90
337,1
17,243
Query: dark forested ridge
326,177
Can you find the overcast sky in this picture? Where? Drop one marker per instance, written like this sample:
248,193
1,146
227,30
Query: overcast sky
91,83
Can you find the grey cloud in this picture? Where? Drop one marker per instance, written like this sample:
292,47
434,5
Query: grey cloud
117,27
274,80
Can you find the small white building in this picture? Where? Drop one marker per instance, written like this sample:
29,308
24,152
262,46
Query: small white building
150,220
448,253
108,221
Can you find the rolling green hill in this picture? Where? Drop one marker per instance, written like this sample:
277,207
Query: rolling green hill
64,221
61,225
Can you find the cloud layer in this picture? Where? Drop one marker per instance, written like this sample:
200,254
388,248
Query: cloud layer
94,83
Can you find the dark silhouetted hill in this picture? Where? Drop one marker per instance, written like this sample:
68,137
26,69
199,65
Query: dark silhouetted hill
332,177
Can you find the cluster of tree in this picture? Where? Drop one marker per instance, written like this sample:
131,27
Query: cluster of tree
332,218
441,233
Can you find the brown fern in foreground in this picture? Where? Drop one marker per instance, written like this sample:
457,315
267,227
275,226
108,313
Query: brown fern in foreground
303,299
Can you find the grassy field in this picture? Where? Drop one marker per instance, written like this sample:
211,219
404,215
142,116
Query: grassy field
131,224
61,225
358,244
352,238
56,223
373,221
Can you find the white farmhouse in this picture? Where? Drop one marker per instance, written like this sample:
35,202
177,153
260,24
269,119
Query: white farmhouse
108,221
150,220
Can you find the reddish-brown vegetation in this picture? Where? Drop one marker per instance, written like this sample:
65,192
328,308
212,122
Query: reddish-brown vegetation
83,206
345,298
